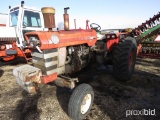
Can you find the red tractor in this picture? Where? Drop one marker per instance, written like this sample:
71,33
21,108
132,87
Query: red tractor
56,54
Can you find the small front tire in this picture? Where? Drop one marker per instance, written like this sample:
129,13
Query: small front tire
80,102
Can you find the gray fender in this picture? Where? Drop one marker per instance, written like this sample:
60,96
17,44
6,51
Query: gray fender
131,39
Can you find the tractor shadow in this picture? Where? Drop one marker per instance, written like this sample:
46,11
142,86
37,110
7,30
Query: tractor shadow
27,107
63,96
113,98
1,73
85,76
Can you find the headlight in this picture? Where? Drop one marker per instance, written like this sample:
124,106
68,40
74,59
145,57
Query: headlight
108,36
33,41
3,47
113,36
54,39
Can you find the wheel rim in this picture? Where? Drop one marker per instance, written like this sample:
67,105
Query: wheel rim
86,103
130,60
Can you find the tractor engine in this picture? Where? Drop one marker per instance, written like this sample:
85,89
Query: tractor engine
64,60
77,58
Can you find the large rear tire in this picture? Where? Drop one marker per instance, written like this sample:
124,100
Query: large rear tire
80,102
124,59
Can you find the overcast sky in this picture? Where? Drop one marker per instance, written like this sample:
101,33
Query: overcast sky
106,13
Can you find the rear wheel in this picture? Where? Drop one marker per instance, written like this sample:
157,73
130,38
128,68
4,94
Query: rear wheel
124,59
80,102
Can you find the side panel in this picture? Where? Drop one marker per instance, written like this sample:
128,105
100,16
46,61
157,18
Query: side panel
7,32
3,19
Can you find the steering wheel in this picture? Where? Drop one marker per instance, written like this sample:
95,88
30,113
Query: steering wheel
95,26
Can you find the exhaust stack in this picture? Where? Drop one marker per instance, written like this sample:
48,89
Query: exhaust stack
49,18
66,19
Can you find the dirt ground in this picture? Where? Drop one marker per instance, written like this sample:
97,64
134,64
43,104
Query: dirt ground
112,98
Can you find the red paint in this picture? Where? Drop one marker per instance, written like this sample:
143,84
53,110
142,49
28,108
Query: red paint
112,42
139,47
8,58
130,60
144,55
67,38
20,52
48,78
2,47
3,25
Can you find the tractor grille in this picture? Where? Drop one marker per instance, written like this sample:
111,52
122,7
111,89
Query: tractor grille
47,61
8,39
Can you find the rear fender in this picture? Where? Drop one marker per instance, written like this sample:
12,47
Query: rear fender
110,43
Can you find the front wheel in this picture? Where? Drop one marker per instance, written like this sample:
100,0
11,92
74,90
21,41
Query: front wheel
124,59
80,102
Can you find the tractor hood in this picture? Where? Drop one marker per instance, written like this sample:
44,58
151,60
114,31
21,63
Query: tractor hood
57,39
7,34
